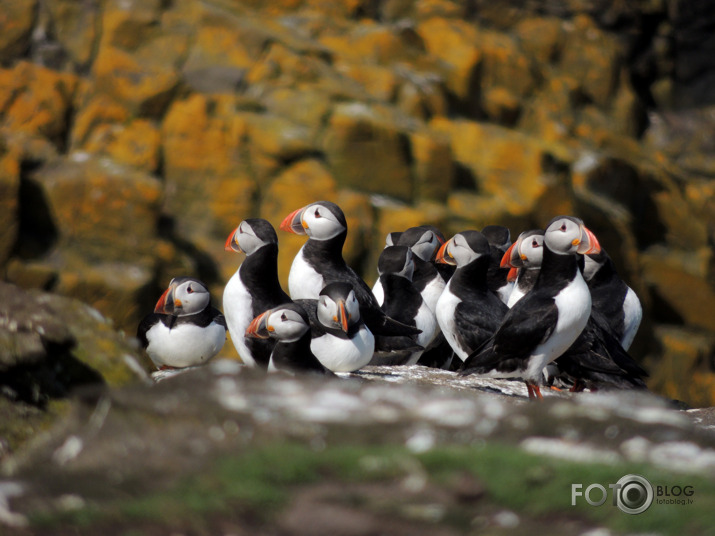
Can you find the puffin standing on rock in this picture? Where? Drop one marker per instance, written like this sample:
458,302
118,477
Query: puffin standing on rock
253,289
184,330
467,311
545,322
341,341
404,303
320,262
596,359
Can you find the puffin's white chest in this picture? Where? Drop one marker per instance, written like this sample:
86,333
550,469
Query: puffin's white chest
574,308
344,355
633,313
432,291
427,322
238,310
446,305
516,294
378,292
504,292
303,281
184,345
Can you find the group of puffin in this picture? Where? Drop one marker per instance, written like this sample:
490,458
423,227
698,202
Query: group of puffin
548,308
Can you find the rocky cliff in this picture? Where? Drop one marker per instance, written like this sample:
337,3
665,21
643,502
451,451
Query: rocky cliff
135,135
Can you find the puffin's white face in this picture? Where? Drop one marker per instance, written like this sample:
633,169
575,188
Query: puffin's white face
246,239
320,223
183,297
286,325
531,250
457,251
426,246
563,236
338,314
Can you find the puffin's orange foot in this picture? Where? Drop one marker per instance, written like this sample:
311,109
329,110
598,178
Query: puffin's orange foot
534,391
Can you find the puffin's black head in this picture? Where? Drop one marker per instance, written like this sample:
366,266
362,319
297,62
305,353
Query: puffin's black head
396,260
463,248
251,235
498,236
424,241
321,220
567,235
184,296
392,238
338,307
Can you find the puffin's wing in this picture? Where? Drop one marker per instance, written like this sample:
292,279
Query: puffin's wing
217,316
381,324
388,344
526,325
145,325
608,343
474,325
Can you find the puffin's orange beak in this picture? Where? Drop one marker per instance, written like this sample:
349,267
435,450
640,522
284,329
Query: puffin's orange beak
167,305
443,255
259,328
513,273
588,242
343,316
293,223
232,243
509,254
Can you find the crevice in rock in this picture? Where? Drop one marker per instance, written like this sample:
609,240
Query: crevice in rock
37,233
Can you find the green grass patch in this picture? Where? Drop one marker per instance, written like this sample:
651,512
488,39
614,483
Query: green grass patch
259,482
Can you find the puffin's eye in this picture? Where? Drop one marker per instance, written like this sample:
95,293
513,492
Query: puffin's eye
563,227
284,317
317,213
534,244
189,289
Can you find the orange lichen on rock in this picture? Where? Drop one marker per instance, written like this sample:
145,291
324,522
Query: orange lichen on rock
39,100
454,42
366,151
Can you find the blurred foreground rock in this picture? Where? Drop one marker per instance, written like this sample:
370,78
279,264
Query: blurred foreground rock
136,444
50,346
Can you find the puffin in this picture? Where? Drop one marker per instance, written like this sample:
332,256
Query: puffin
499,238
523,260
289,325
320,262
404,303
424,241
468,312
184,330
340,339
596,359
253,289
545,322
613,297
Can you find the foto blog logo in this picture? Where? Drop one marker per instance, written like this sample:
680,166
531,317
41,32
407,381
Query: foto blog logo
632,494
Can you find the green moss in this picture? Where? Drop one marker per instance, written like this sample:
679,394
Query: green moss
260,482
